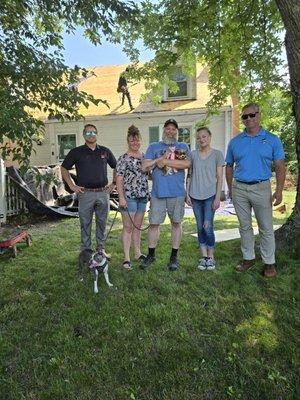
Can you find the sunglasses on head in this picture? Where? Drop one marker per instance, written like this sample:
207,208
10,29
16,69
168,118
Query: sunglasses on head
251,115
90,133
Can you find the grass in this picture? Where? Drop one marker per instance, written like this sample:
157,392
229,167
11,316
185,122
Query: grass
155,335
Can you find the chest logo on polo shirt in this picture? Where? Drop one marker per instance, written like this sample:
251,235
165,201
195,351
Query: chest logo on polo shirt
263,140
104,155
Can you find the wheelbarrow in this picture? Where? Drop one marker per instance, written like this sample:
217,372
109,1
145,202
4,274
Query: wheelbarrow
14,238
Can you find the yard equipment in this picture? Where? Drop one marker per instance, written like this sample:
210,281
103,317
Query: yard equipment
15,237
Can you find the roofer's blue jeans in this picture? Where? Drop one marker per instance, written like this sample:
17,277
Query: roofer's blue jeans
204,215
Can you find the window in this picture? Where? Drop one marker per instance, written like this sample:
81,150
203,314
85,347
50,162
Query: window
153,134
65,144
186,86
181,79
184,135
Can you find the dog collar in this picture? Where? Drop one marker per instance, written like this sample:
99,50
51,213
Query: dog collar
93,264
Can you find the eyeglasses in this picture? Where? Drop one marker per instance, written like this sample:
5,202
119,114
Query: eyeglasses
90,133
251,115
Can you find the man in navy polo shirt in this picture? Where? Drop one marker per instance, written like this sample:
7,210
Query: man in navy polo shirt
92,186
168,190
249,160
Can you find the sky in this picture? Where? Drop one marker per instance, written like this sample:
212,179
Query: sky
80,51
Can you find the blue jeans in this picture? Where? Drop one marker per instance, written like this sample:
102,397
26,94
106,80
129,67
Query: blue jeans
204,214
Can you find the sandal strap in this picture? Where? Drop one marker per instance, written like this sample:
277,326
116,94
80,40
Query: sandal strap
127,264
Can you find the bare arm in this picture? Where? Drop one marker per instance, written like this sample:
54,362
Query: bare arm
229,178
120,190
68,179
111,186
216,203
177,164
280,178
148,164
188,184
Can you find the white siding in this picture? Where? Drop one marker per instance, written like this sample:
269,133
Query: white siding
113,131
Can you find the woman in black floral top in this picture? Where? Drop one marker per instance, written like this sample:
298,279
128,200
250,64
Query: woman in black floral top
132,187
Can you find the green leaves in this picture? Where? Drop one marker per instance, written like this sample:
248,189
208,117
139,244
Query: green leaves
239,41
34,81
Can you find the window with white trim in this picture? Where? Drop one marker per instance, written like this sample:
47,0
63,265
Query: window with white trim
186,86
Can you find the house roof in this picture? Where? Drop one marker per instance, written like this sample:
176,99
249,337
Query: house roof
103,85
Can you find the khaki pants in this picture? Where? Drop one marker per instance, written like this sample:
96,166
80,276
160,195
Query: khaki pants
259,197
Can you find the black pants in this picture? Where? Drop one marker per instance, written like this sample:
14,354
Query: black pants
126,93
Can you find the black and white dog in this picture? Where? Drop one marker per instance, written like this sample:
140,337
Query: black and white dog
96,262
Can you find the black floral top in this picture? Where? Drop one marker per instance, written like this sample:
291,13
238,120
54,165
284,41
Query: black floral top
135,180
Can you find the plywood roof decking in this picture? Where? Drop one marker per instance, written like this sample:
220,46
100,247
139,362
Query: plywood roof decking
104,86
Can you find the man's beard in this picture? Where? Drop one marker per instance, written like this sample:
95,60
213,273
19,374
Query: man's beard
169,141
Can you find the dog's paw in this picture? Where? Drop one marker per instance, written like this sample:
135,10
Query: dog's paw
110,284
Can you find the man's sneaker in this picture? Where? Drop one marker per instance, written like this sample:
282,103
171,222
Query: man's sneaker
147,261
173,264
210,263
270,271
245,265
202,264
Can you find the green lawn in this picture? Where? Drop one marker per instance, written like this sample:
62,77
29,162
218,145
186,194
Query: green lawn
187,335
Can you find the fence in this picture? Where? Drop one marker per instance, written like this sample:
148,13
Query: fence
11,202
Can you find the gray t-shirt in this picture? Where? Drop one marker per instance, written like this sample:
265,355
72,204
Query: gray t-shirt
204,174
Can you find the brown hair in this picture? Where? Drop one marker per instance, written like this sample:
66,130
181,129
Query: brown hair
203,128
133,131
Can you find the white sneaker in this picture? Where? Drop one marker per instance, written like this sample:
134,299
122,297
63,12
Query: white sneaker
210,263
202,264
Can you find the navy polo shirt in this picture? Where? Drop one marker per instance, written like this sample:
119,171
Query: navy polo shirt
253,155
90,165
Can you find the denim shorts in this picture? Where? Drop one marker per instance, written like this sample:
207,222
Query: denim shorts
136,205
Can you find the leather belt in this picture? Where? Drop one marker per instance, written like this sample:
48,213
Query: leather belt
94,189
252,182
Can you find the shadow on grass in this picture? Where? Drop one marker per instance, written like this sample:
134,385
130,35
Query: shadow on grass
155,334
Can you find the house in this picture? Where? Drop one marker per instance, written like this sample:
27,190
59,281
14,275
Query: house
187,106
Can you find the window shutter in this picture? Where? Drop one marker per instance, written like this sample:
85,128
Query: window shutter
153,134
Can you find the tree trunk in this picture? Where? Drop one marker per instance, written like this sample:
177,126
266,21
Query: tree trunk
288,234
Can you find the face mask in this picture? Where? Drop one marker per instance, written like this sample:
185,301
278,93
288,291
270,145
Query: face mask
90,133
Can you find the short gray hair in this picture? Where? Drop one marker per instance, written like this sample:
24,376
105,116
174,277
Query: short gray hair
252,105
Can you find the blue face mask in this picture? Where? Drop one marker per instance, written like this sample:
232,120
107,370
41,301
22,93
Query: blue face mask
90,133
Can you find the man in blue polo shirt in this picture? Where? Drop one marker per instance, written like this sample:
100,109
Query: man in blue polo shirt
168,189
249,160
92,186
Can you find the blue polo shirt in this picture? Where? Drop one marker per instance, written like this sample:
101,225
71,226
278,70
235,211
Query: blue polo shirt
167,185
253,155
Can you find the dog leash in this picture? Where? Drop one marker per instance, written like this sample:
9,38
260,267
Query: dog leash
114,219
136,227
111,226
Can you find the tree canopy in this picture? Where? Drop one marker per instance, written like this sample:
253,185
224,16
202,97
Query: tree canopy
33,75
241,42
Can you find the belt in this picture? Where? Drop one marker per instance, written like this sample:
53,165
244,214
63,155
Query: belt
252,182
94,189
